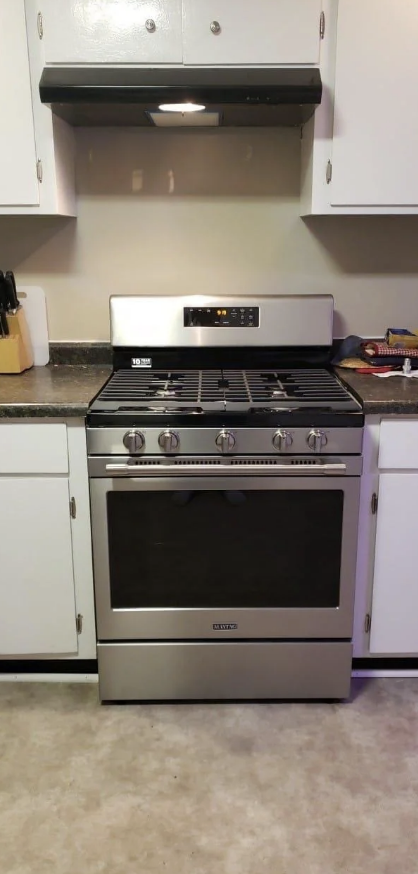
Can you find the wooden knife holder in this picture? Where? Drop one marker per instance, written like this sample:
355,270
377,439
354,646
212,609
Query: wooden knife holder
16,353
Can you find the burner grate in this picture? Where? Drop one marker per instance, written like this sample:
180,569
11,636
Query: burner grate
220,389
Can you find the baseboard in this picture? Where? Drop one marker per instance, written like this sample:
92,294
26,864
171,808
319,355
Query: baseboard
48,666
85,670
389,664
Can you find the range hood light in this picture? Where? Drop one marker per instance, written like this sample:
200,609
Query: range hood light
181,107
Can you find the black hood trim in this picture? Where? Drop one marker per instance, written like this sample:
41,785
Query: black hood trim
259,96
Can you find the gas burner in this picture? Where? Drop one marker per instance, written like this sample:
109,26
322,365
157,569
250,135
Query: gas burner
167,393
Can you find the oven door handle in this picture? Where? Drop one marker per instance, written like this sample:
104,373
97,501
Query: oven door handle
315,469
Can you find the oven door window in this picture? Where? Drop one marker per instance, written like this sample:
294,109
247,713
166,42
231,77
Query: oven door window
215,549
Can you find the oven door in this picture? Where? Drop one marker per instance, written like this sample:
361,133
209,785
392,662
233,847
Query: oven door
224,557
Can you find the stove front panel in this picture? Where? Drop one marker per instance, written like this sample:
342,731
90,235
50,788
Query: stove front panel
202,441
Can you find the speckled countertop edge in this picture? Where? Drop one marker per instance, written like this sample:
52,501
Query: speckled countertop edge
390,396
53,391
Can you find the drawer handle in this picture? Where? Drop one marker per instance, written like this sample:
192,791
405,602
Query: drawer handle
150,25
215,27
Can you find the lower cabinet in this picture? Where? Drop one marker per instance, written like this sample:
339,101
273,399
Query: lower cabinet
37,601
394,613
386,622
46,580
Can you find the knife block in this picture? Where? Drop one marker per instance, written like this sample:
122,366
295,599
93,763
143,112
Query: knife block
16,353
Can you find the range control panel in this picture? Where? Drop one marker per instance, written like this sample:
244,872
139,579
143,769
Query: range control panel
225,317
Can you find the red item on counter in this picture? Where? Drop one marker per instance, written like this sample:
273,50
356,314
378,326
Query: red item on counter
376,350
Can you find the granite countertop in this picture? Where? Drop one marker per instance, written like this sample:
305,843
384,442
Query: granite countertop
54,390
397,394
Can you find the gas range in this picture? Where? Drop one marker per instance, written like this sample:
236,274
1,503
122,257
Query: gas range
202,411
190,387
224,462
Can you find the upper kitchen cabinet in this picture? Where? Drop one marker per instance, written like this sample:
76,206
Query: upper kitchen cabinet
112,31
228,32
18,161
36,149
360,150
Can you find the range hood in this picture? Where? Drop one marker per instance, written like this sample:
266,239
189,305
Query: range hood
227,97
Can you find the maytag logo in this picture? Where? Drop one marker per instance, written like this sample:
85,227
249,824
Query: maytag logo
141,362
224,626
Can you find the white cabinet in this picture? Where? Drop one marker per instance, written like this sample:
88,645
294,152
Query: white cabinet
153,32
46,565
359,151
33,448
375,145
18,173
37,606
394,627
388,541
229,32
36,149
112,31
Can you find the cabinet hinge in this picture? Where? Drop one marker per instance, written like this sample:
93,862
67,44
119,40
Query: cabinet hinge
39,170
322,25
328,174
374,503
367,623
73,508
79,623
40,23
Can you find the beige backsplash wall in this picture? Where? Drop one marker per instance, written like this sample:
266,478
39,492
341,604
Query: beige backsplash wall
206,212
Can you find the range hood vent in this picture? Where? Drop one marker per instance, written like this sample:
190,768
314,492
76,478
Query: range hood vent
231,97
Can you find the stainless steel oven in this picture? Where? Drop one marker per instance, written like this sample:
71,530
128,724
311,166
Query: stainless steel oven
224,466
248,549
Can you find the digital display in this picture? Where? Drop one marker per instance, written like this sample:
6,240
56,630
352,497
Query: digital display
221,317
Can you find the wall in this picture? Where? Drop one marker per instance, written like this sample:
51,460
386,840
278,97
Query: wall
204,212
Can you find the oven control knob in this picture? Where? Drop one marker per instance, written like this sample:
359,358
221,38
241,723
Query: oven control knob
169,441
282,440
134,441
225,441
316,439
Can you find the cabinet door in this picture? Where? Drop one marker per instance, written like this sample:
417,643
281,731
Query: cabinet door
112,31
375,142
18,178
283,32
37,606
394,626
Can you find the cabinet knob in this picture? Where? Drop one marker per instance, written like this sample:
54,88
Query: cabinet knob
215,27
150,25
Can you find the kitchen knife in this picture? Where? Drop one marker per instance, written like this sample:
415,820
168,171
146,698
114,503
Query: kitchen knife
4,327
13,301
4,298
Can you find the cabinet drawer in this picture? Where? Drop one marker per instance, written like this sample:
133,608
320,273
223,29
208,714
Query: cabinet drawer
279,32
33,449
398,447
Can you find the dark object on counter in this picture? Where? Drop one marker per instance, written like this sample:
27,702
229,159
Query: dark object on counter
10,284
3,292
4,327
351,347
